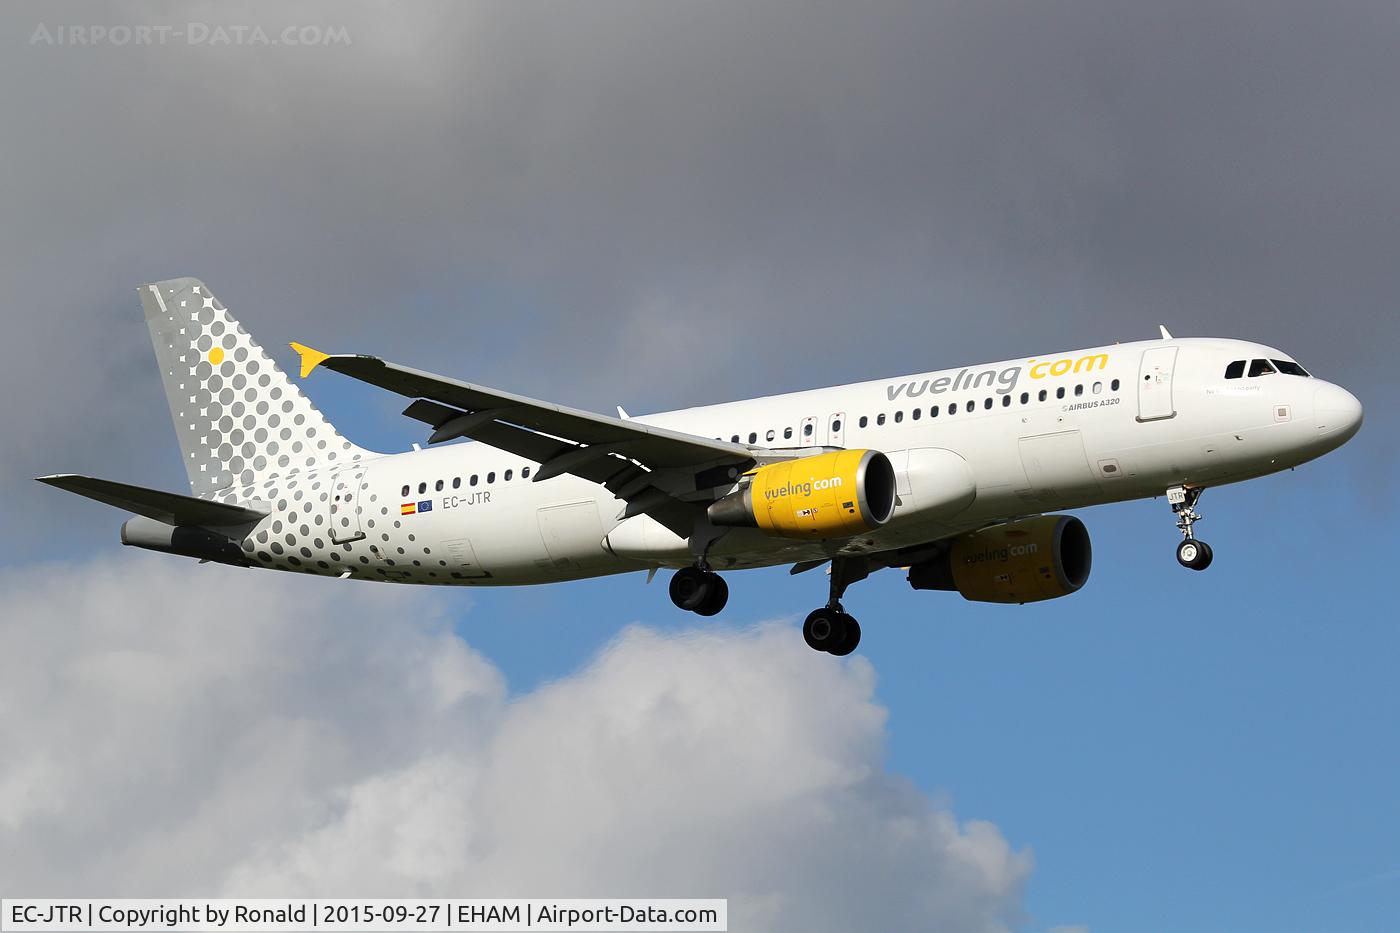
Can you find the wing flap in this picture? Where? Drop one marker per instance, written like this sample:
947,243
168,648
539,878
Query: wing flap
167,507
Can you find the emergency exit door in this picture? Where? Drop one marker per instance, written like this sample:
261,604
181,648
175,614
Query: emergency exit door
1155,384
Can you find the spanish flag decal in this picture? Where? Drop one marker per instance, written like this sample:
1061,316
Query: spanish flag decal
408,508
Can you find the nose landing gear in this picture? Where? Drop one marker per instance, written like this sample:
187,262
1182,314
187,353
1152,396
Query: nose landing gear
1191,552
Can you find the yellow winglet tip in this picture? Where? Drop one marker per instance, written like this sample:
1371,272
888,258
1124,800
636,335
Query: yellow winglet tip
310,358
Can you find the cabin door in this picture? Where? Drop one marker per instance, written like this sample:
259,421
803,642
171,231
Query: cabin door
1155,384
345,505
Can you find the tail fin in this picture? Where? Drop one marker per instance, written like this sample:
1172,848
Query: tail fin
239,420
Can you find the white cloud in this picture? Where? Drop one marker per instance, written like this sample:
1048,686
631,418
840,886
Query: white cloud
173,729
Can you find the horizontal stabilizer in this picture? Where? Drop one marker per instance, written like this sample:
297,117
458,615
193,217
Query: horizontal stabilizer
167,507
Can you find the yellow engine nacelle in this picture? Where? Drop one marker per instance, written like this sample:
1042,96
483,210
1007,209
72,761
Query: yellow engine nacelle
832,495
1016,562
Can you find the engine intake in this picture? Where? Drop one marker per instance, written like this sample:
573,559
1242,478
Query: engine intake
831,495
1017,562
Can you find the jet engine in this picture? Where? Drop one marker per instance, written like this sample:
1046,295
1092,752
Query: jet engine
831,495
1017,562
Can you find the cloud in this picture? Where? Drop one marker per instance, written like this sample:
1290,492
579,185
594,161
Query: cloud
174,730
673,204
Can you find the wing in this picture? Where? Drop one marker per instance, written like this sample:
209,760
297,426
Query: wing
648,467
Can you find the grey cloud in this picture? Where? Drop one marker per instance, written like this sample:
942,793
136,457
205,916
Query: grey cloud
669,204
314,740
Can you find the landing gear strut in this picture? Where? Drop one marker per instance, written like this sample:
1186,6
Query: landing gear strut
699,590
831,628
1191,552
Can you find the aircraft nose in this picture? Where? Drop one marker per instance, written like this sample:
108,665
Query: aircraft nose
1338,412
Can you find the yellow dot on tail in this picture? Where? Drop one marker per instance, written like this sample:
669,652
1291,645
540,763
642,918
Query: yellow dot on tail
216,355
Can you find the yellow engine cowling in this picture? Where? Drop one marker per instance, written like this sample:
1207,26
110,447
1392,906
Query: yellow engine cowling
1017,562
831,495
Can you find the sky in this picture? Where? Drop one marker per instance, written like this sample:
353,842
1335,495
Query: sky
662,205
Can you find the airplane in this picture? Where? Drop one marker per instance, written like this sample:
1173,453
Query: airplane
958,477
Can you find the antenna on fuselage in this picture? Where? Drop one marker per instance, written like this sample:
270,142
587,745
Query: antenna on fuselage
1166,334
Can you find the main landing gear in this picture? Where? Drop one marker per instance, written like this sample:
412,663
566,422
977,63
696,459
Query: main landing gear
1191,552
831,628
699,590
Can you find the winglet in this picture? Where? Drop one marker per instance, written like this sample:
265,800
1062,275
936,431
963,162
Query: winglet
310,358
1166,334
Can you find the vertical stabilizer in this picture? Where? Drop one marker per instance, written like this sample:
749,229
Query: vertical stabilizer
239,420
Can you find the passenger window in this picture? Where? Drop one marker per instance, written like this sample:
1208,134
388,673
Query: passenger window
1006,401
1025,398
1079,389
952,408
1260,368
1114,385
734,439
456,482
836,425
971,405
898,416
1235,370
787,432
1290,368
771,435
473,479
987,403
525,473
916,413
1060,392
807,430
438,486
933,411
1042,395
508,475
1098,388
490,477
753,437
864,421
405,492
422,488
880,418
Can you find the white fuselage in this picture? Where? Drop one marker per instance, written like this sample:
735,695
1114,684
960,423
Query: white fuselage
1061,431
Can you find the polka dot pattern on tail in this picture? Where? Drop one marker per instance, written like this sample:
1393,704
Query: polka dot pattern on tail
239,420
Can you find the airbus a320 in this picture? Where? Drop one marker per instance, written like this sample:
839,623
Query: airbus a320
955,477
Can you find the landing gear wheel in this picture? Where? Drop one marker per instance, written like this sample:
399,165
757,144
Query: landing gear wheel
851,639
1194,554
689,587
832,631
824,628
716,595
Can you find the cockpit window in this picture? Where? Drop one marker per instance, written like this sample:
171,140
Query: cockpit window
1290,368
1260,368
1235,370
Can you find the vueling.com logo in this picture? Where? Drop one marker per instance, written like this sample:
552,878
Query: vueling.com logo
802,489
1001,381
1004,553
